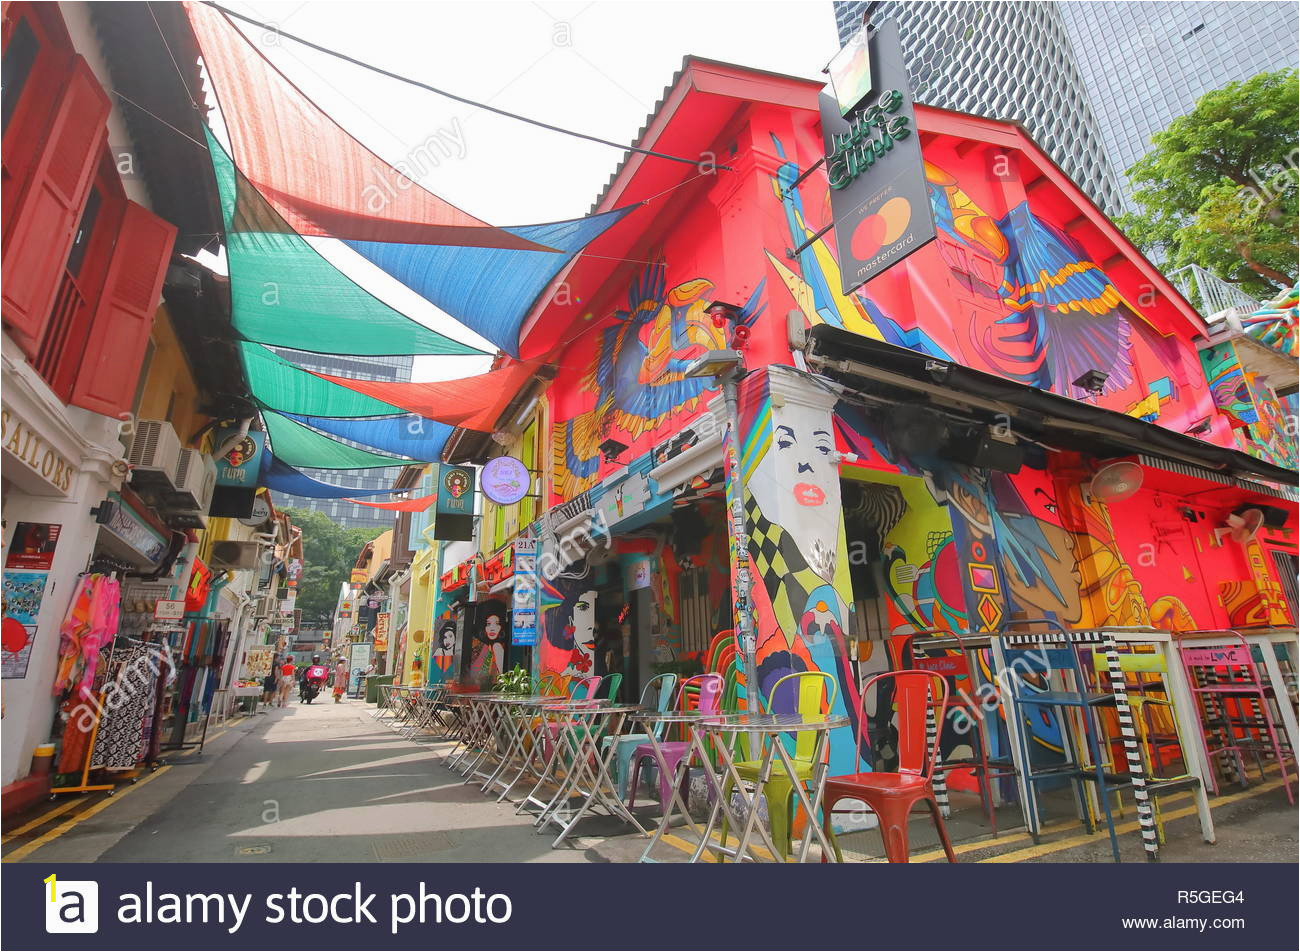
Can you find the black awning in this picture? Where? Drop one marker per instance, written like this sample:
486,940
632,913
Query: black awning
890,372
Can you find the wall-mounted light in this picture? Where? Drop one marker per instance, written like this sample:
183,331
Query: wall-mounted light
1203,426
611,449
1093,381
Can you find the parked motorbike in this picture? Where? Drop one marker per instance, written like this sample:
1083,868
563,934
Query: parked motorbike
307,691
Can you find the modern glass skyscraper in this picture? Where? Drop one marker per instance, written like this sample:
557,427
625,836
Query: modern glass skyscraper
347,514
1003,60
1145,64
1092,80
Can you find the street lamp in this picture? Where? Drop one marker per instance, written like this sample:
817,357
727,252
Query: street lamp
727,367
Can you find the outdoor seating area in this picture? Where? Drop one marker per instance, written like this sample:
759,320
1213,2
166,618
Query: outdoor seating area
1050,727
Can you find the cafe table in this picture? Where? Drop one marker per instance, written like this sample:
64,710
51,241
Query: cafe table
477,733
722,730
514,733
588,776
546,751
657,722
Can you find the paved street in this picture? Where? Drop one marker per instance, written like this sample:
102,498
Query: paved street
327,783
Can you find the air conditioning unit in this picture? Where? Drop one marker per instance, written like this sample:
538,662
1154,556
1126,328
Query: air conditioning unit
155,453
268,606
196,477
232,556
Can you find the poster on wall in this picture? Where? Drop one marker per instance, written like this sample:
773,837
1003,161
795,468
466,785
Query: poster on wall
879,199
524,609
23,594
33,546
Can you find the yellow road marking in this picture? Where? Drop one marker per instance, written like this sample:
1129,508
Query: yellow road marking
1043,849
709,856
28,848
63,807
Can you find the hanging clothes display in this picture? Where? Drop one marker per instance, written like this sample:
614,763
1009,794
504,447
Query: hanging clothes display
129,699
90,622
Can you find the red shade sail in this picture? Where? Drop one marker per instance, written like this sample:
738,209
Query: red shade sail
345,190
418,504
473,403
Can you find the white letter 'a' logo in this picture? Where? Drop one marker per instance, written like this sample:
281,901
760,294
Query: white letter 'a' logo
71,906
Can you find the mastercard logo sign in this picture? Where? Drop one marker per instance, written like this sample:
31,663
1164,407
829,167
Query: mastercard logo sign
881,228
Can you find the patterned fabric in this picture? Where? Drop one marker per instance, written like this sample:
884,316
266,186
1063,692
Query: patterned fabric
128,705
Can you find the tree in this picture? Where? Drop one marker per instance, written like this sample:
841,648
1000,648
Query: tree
1219,188
328,553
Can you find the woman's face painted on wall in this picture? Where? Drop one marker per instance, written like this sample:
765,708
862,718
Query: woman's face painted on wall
795,484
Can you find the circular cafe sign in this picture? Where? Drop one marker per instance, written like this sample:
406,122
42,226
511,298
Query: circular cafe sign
505,480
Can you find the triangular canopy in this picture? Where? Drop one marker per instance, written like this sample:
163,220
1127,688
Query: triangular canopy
489,290
283,478
407,435
345,191
300,446
418,504
283,292
473,403
276,384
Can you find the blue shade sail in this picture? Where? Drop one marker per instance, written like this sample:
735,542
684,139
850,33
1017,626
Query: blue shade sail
407,435
298,445
489,290
283,478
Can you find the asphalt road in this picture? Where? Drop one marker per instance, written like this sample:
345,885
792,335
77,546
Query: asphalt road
327,783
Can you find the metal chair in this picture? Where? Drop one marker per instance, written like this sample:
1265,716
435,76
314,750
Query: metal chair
920,699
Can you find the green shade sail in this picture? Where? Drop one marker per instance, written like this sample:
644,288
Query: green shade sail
277,384
283,292
298,445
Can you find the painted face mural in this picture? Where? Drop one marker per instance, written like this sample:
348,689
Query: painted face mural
568,651
491,638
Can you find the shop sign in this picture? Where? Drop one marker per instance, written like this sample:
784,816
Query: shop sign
35,452
506,480
131,529
499,567
850,71
359,577
381,631
453,519
879,199
524,609
32,546
166,609
241,465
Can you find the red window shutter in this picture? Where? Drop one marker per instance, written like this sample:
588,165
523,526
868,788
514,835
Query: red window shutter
119,333
44,221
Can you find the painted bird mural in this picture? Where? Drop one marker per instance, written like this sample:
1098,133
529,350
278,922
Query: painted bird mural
639,370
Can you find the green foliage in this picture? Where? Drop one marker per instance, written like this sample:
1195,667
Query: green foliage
1219,188
515,681
328,553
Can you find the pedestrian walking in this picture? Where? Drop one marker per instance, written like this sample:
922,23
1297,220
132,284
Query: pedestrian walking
340,680
270,683
287,672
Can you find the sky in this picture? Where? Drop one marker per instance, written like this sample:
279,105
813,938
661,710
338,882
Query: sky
595,67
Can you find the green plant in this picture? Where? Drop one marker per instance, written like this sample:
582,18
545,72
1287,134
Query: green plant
514,681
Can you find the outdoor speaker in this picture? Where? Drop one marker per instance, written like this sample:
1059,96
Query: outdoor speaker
975,446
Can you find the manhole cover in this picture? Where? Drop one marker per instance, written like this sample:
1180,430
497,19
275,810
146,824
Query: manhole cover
253,850
408,847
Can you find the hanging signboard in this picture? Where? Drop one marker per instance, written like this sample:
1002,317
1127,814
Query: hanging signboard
850,71
524,609
381,631
506,480
241,464
879,200
454,515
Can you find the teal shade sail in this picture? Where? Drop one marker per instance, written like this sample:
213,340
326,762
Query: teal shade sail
298,445
277,384
284,292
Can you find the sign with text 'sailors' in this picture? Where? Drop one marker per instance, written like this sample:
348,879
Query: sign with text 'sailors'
879,200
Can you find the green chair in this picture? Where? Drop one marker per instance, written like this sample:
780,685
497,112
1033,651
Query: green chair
815,693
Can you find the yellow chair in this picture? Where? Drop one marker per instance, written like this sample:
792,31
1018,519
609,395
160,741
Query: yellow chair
812,689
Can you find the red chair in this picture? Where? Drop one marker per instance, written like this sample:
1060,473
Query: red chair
920,699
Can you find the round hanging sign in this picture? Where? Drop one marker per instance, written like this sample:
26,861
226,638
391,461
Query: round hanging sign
505,480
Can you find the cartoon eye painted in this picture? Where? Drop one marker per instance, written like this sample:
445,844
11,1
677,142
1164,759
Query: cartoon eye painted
824,443
784,437
581,605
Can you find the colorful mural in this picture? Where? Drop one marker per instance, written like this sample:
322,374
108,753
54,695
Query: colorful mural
637,372
1274,324
1004,289
568,648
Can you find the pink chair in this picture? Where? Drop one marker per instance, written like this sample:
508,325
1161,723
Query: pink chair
702,692
1234,706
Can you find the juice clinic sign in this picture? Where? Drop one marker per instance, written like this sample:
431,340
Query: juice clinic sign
879,200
